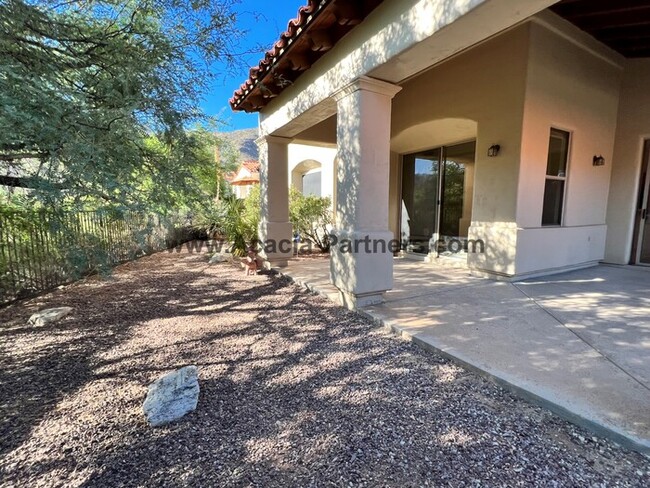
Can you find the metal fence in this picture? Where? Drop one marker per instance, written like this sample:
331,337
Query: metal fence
42,250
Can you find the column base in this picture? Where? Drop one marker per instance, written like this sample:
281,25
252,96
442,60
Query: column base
352,301
277,243
361,266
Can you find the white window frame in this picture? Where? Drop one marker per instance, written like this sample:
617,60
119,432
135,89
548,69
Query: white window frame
564,178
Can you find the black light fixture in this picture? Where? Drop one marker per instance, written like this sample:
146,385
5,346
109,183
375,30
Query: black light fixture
599,161
493,150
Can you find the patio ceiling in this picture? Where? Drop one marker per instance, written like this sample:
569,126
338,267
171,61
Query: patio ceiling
623,25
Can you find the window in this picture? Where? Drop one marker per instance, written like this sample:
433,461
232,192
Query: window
556,169
311,183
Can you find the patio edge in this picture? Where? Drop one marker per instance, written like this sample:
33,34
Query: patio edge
619,437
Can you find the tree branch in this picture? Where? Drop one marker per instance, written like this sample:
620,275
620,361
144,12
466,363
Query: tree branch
31,155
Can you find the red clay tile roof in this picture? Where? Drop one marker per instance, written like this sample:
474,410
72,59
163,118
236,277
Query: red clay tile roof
317,28
252,165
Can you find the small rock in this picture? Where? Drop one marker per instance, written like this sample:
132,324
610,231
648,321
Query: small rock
49,315
219,258
172,396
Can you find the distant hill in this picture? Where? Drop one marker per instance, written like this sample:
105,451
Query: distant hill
244,141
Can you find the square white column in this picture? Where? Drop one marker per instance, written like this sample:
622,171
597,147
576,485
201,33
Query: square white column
361,264
275,230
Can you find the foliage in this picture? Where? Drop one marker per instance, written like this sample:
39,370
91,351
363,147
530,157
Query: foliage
96,97
40,249
241,219
311,217
210,218
238,219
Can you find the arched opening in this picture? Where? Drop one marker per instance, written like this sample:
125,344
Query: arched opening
306,177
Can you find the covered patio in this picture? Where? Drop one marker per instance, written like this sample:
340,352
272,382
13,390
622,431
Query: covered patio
577,343
538,115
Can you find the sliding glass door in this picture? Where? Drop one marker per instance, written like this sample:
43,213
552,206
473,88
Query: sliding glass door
420,182
641,240
434,196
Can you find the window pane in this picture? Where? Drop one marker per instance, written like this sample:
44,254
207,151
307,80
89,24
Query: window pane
558,150
553,197
419,200
453,193
311,183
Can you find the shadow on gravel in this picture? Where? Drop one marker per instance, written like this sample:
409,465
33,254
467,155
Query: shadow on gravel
41,365
248,431
294,392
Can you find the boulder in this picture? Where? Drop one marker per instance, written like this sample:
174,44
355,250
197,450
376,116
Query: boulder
172,396
49,315
219,258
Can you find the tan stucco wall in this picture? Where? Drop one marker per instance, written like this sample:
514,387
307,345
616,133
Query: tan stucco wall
305,158
398,39
633,128
478,94
514,88
572,87
509,90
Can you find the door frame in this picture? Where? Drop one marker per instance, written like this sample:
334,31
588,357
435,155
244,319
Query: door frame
641,206
441,176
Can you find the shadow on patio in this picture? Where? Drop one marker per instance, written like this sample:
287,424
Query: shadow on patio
577,343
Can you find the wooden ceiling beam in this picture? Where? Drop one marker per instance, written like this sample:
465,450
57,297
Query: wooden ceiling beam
588,8
321,41
299,62
348,13
614,20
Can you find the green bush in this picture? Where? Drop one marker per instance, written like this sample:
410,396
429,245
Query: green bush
238,219
311,216
241,218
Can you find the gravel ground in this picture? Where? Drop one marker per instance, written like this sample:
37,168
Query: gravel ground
294,392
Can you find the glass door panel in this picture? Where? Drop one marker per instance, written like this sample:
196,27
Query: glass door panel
436,195
420,173
644,250
641,236
454,201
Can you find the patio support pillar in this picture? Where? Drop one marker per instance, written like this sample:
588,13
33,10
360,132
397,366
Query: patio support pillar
363,270
275,230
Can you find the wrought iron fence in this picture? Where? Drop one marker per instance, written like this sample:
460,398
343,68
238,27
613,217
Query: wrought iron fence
42,250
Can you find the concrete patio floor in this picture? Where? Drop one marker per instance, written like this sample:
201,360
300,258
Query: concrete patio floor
577,343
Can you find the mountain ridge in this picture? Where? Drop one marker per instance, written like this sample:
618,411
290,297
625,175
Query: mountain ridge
242,140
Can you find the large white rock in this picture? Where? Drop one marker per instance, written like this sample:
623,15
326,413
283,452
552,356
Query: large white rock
219,258
172,396
49,315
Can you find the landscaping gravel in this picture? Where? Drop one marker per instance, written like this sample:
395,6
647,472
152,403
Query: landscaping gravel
295,391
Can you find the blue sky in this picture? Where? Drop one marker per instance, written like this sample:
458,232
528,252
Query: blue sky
264,26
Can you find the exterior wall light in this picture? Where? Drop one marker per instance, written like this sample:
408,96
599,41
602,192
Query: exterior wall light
599,161
493,150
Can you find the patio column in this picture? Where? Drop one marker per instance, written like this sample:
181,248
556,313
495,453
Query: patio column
361,264
275,229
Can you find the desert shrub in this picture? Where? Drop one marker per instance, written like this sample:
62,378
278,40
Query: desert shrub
311,217
241,218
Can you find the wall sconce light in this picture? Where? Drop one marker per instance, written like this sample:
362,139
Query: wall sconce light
493,150
599,161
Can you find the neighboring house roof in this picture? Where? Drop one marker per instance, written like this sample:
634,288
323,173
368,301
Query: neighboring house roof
318,27
247,174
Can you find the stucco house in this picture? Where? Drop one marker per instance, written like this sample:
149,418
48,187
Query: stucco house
311,171
242,181
522,124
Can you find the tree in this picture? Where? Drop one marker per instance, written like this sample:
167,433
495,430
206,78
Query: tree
97,95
